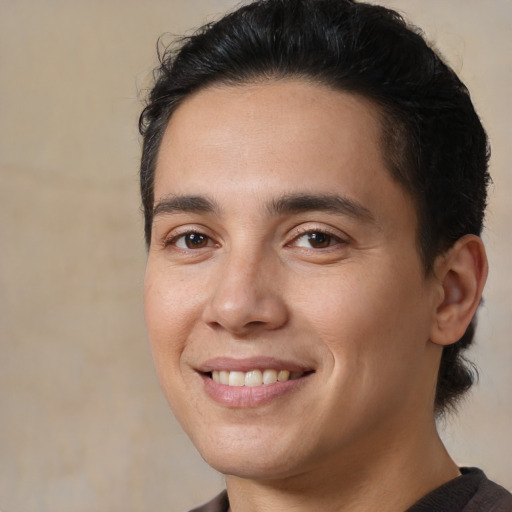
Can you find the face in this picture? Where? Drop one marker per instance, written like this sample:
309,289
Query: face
286,304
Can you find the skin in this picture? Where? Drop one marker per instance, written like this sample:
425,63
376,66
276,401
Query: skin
355,309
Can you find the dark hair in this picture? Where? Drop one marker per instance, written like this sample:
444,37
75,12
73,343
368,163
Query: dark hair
434,143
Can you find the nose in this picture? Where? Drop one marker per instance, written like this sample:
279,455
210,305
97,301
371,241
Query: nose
246,298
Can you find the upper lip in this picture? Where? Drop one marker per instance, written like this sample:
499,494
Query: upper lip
251,363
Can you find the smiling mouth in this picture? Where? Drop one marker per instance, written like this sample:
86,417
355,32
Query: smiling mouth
254,378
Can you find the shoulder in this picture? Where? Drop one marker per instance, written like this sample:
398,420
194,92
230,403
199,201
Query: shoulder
472,491
489,497
219,504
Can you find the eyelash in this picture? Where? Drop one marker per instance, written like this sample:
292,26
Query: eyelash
324,233
311,233
173,239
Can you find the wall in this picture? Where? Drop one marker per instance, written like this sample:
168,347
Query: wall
83,425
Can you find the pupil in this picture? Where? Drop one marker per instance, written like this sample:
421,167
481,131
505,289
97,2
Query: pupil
319,239
196,240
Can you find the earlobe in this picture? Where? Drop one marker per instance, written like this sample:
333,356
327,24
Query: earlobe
462,273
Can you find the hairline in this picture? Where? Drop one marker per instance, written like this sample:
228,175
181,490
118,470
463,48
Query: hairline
386,116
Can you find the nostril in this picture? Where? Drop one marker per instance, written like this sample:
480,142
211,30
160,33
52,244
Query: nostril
255,323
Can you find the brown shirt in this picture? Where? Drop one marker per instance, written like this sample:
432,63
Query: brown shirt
470,492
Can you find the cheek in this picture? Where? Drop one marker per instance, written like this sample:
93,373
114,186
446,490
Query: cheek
370,320
168,317
168,311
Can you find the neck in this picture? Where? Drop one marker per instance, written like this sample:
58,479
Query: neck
385,476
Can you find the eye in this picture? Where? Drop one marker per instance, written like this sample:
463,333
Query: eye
316,240
191,240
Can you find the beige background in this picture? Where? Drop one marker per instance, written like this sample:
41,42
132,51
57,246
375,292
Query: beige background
83,426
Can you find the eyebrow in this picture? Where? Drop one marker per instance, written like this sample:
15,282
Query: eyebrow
176,204
296,203
287,204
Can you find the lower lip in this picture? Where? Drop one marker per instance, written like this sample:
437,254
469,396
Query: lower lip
238,397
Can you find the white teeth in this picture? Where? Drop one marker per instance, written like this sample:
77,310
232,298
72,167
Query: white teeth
283,375
269,376
236,378
254,377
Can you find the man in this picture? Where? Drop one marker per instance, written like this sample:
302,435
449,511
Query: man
314,183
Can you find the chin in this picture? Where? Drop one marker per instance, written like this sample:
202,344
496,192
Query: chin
245,458
248,468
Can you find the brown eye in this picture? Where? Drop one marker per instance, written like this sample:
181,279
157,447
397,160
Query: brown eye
192,241
319,240
316,240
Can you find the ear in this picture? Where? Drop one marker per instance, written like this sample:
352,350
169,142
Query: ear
462,273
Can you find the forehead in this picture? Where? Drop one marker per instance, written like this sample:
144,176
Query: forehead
235,143
270,124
